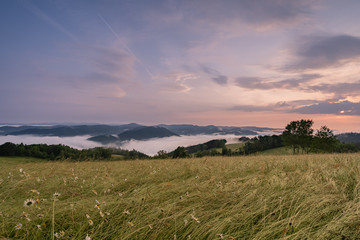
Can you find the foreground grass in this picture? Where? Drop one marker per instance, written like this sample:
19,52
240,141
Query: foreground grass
256,197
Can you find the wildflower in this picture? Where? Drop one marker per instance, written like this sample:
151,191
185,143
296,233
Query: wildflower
94,191
97,206
25,215
37,201
57,235
97,201
126,212
34,191
120,194
56,195
101,214
40,215
18,226
195,218
91,222
88,216
38,226
29,202
21,170
87,237
62,233
131,224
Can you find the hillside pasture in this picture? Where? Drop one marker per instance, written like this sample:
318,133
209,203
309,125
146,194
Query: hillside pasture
253,197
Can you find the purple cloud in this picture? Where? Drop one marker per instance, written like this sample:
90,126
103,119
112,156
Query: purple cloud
216,76
264,84
325,107
316,52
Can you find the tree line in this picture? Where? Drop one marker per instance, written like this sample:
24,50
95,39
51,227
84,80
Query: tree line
300,136
54,152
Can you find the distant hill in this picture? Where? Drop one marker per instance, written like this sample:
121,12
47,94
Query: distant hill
349,138
218,143
140,133
144,133
68,131
104,139
188,129
106,134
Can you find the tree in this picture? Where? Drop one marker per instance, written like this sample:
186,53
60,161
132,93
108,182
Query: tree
162,154
324,140
298,134
180,152
8,149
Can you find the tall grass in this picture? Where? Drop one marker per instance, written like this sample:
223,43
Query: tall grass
255,197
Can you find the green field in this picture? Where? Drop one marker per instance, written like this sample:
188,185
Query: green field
254,197
234,146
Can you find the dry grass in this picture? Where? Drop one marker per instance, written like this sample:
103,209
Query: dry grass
259,197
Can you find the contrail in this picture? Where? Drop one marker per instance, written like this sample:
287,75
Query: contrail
40,14
125,46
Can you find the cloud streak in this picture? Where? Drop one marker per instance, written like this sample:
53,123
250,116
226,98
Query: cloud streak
338,108
175,82
317,52
126,46
259,13
264,84
217,77
305,107
43,16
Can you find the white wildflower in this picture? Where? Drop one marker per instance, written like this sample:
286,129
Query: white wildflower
29,202
18,226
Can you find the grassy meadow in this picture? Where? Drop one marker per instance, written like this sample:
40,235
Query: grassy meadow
253,197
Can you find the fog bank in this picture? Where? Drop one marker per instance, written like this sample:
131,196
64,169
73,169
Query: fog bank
149,147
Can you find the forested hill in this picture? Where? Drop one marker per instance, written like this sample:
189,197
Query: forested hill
349,138
101,129
67,131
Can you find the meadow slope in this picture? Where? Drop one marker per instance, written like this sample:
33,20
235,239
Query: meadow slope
254,197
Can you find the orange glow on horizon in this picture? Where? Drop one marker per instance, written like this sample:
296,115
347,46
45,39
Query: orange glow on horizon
338,123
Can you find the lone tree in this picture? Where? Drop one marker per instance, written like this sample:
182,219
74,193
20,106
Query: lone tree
298,134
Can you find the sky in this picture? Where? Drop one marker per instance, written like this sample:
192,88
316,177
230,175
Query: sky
221,62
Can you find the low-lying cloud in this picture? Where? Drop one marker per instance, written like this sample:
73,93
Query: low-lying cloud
149,147
78,142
